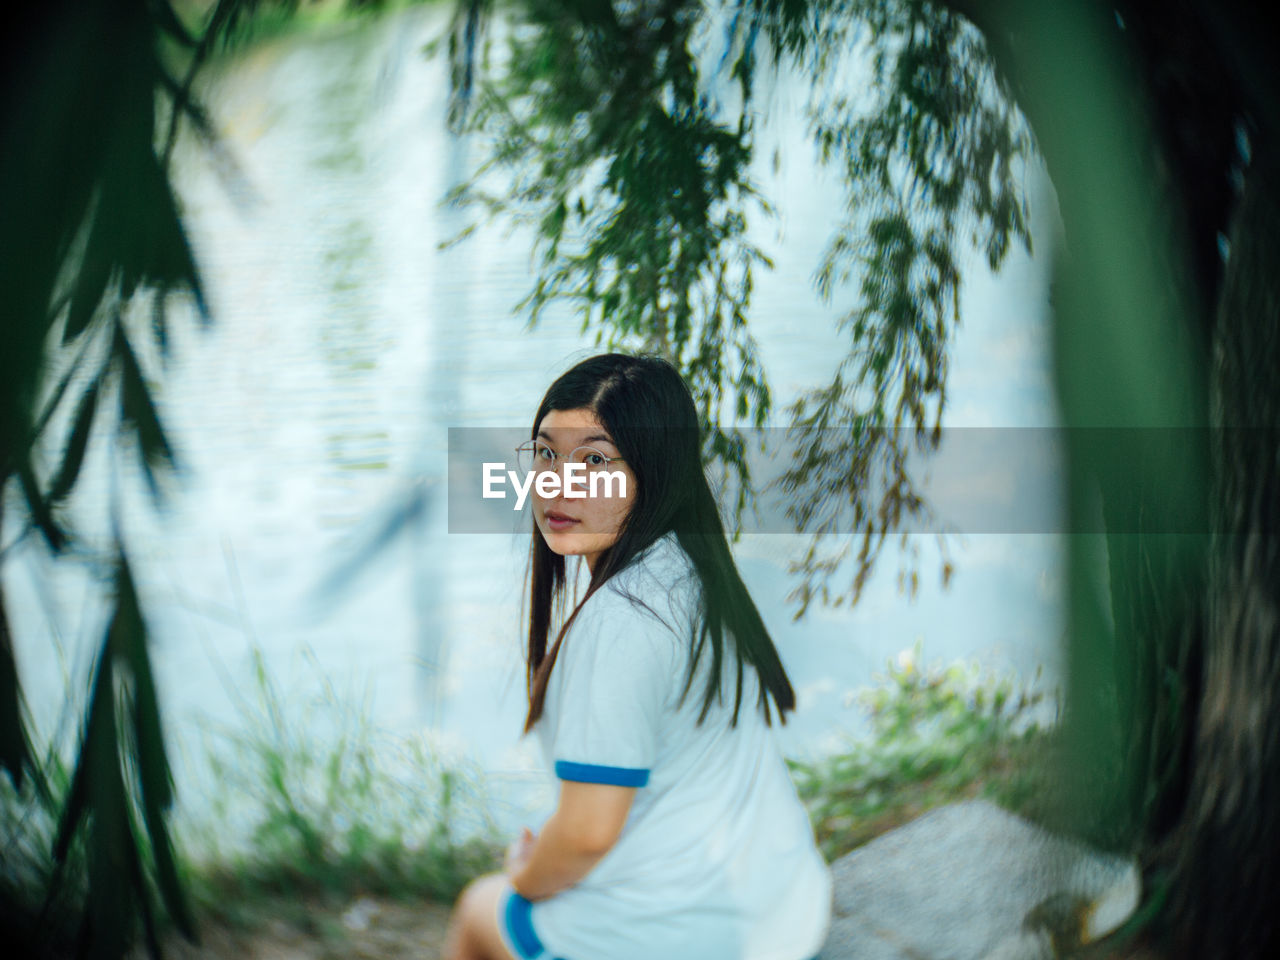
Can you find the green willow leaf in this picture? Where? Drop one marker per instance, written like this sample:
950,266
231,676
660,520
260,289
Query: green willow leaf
137,407
169,23
110,844
92,282
41,515
100,799
73,457
129,640
101,710
167,259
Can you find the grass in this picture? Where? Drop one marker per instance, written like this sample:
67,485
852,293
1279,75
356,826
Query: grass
330,807
312,807
936,735
31,923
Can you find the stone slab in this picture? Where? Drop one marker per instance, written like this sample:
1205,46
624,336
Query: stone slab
959,883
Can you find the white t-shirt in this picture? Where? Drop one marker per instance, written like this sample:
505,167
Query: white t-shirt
717,857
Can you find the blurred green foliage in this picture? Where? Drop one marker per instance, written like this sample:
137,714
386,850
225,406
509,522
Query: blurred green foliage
937,734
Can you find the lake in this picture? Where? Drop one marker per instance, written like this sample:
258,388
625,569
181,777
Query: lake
312,416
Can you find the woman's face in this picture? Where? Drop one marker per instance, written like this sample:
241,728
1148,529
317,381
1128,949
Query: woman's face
581,526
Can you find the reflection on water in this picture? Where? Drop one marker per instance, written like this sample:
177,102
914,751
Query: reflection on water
313,419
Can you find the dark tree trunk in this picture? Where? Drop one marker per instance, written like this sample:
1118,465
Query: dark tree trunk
1228,867
1180,707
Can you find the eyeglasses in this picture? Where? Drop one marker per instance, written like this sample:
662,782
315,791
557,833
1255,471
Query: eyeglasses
534,455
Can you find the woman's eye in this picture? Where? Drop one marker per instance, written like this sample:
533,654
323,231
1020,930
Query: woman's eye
545,454
594,460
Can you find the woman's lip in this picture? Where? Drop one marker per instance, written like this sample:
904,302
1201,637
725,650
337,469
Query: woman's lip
559,519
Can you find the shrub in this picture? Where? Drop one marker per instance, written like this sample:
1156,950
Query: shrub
936,735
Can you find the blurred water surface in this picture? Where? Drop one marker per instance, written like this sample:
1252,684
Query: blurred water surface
311,417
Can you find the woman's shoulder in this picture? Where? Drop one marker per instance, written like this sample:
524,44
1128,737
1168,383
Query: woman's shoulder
662,571
663,563
660,587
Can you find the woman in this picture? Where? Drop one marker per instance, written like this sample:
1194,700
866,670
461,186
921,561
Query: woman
677,832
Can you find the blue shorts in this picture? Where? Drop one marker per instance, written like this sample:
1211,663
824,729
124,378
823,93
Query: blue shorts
515,926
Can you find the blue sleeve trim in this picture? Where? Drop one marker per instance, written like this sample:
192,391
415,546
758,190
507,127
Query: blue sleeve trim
519,920
596,773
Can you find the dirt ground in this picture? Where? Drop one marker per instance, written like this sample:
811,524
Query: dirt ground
369,928
376,929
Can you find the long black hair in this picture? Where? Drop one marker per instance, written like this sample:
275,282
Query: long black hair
647,409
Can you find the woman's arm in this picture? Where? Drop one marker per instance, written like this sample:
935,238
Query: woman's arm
587,822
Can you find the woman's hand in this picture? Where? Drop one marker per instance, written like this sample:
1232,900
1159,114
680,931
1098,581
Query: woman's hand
518,852
587,822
